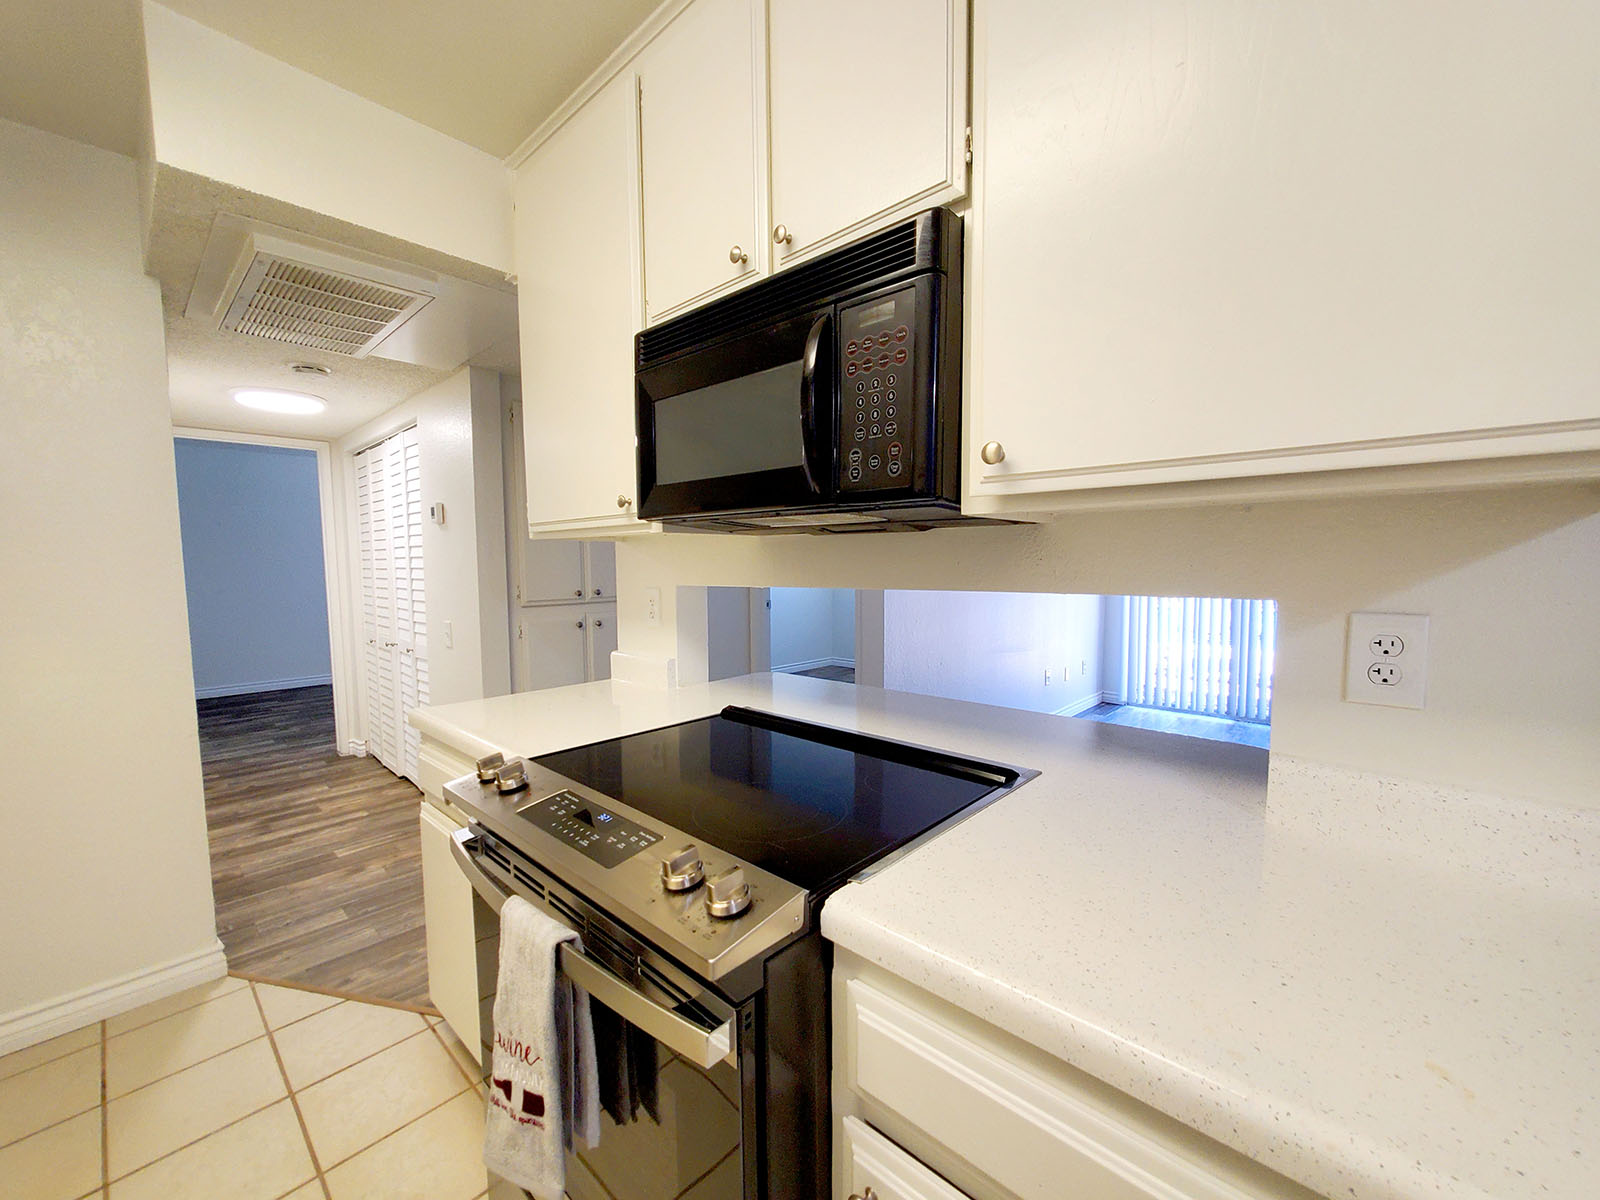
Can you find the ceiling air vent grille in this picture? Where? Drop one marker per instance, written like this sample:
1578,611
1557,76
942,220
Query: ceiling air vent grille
304,305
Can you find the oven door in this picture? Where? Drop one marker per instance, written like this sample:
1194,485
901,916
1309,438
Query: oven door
746,425
700,1143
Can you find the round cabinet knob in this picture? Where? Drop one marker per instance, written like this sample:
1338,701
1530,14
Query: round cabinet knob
865,1193
682,870
727,894
578,593
781,235
623,501
737,255
992,453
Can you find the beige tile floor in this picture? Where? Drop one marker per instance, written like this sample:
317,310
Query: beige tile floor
249,1091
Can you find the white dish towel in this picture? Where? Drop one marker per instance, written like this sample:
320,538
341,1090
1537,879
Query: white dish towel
544,1091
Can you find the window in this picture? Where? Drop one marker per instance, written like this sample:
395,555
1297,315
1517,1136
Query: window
1207,656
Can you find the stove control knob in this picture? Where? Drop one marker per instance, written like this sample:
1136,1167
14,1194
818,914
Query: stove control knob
512,777
488,765
727,894
682,870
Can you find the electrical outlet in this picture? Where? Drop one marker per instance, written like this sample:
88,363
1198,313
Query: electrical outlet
652,606
1384,674
1047,677
1386,659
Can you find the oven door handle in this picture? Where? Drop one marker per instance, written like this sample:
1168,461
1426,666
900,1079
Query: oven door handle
808,400
700,1045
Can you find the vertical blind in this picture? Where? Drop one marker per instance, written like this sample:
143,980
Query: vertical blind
1199,655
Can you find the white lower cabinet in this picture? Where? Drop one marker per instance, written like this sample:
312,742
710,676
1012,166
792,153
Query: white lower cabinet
447,901
565,644
873,1164
930,1102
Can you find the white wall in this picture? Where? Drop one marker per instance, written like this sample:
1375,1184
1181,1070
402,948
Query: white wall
231,113
1489,566
463,560
812,626
252,567
994,647
104,885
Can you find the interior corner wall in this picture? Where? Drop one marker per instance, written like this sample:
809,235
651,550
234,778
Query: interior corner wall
253,567
95,657
1481,563
812,627
463,560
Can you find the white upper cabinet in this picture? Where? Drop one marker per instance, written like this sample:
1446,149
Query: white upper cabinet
700,155
869,115
577,289
1234,239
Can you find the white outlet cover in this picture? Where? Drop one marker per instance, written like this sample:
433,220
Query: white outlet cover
1412,662
652,606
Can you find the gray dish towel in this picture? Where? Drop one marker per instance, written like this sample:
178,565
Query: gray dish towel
543,1094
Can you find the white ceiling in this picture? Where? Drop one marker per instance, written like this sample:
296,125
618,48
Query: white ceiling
486,72
75,68
472,320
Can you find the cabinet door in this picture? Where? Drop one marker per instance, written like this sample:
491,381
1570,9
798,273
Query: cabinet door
873,1162
601,623
549,571
576,252
553,643
699,156
1321,243
600,559
447,915
869,114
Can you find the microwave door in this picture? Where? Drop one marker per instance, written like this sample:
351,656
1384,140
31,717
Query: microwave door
742,426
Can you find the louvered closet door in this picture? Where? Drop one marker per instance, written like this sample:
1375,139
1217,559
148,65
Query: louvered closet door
389,514
410,602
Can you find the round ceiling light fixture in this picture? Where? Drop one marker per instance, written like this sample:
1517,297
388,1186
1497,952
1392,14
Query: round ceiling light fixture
270,400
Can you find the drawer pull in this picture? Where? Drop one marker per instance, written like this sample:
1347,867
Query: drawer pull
865,1193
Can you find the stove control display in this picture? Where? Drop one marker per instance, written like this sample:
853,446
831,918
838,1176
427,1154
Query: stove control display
600,834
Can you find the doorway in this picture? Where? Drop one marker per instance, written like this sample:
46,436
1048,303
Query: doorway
283,808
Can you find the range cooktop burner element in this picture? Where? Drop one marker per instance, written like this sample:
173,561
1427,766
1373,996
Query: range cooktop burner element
811,805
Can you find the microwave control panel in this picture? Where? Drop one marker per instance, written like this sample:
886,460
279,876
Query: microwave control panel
877,409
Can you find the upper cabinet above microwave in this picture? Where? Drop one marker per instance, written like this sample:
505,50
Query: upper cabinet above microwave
866,124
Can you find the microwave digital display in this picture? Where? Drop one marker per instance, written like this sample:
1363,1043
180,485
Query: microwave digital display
875,314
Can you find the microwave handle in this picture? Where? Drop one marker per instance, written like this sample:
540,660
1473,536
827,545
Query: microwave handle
808,399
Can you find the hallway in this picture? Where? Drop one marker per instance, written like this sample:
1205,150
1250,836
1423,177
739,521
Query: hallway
315,858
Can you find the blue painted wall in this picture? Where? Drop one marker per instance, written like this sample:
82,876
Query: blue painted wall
252,567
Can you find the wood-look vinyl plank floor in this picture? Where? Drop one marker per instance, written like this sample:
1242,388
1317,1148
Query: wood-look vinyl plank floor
315,859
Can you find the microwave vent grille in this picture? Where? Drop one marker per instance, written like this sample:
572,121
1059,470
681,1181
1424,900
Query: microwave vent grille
871,261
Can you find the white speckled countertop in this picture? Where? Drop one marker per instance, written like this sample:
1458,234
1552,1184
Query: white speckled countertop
1378,989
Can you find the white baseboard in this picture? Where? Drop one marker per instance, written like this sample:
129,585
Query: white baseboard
262,685
812,664
358,747
1084,705
41,1022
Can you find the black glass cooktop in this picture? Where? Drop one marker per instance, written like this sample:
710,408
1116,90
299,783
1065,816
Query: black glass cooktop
810,804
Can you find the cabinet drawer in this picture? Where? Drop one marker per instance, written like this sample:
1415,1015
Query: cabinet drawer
873,1161
1032,1136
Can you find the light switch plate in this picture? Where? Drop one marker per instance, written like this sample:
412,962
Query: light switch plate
1386,659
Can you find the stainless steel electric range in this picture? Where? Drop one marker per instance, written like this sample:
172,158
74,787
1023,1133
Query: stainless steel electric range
694,860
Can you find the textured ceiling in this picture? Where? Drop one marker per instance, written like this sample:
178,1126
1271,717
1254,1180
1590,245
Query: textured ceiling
484,71
75,68
203,364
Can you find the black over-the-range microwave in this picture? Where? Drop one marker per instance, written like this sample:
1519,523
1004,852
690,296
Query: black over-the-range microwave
825,399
